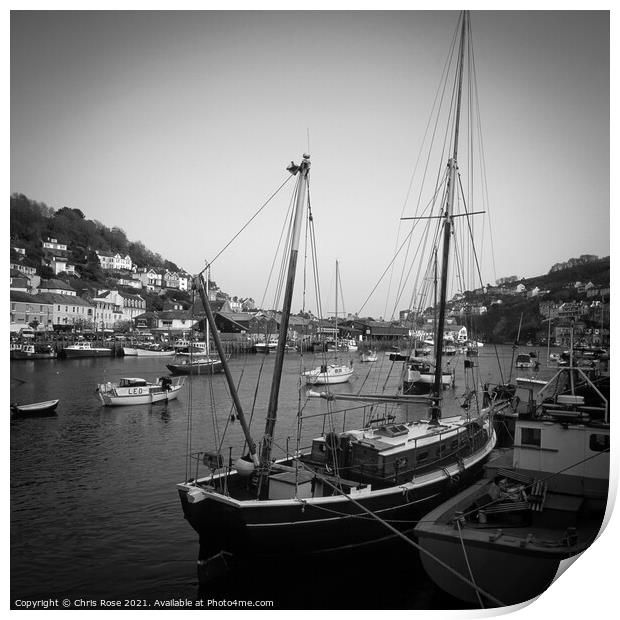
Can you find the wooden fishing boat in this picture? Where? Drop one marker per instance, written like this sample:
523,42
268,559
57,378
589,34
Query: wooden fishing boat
43,408
85,349
148,350
542,503
33,351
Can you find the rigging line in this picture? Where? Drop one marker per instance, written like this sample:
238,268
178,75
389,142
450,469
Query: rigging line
275,257
435,111
471,575
471,234
260,372
408,540
286,225
230,416
384,272
248,223
422,251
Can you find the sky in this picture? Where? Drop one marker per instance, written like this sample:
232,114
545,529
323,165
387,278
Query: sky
177,127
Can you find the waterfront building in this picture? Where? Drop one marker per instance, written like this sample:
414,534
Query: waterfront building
67,310
26,308
129,305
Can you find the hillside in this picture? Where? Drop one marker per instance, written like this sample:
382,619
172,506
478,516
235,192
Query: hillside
32,221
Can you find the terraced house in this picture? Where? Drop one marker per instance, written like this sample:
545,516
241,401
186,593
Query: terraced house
67,310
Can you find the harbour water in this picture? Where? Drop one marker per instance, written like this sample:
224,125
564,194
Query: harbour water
94,509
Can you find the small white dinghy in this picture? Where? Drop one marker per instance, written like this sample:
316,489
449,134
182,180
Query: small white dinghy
46,407
135,391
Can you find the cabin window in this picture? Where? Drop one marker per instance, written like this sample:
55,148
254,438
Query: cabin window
454,444
530,437
599,443
422,456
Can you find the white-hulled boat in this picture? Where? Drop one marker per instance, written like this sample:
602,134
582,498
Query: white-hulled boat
135,391
86,349
421,376
328,374
368,356
149,350
46,407
266,346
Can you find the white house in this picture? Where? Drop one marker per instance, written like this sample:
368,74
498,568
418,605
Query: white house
107,260
59,264
127,305
52,244
151,279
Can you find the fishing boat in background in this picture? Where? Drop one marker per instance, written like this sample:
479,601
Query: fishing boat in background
352,488
148,350
33,351
539,504
190,348
43,408
368,356
135,391
526,360
266,346
85,349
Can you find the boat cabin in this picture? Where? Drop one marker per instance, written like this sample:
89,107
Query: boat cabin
393,453
132,382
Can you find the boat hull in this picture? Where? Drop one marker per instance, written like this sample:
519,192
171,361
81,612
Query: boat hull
21,355
44,408
322,525
137,351
110,400
78,353
424,383
208,368
512,564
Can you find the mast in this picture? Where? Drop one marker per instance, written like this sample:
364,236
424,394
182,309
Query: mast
199,283
447,231
336,307
272,409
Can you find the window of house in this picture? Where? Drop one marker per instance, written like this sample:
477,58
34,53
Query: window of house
530,436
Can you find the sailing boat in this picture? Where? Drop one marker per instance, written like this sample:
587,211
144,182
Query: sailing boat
342,491
200,363
421,370
330,374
